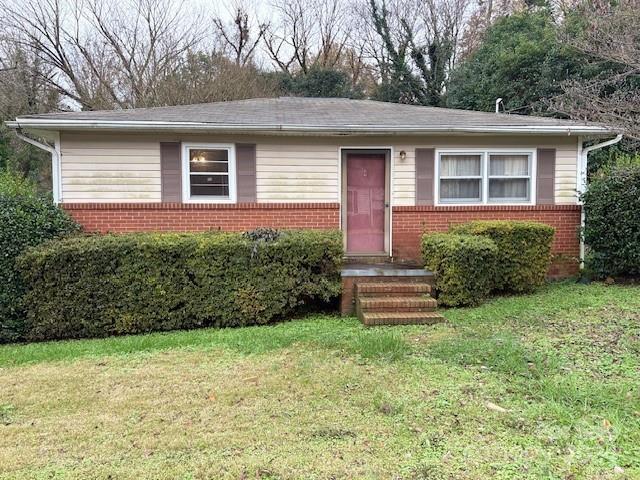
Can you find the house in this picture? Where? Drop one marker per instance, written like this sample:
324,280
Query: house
384,173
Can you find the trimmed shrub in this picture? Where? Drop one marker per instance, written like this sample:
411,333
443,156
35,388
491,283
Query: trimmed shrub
464,267
524,251
118,284
26,219
612,230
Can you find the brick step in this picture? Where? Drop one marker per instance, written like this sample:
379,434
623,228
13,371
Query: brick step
392,289
400,318
422,303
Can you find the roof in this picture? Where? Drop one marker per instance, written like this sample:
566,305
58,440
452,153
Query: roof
303,114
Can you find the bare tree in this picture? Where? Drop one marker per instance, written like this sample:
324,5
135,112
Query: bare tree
309,33
240,36
103,54
612,41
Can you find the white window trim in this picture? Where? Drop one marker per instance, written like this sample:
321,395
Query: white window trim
484,153
186,190
480,153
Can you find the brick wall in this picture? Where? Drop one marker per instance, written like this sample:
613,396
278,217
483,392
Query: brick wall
410,222
178,217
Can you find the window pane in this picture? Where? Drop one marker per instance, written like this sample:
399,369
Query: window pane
507,189
214,191
464,190
211,185
509,165
460,165
208,160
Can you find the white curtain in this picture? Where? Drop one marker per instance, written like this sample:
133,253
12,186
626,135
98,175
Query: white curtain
509,166
464,189
460,189
460,165
516,189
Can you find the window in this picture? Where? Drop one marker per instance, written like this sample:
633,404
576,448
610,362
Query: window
485,177
460,178
209,173
509,177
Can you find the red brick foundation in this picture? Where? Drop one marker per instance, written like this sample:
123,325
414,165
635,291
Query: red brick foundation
178,217
409,223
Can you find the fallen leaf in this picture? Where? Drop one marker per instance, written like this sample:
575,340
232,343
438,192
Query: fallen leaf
496,408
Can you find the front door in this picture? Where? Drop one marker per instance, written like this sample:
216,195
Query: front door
365,203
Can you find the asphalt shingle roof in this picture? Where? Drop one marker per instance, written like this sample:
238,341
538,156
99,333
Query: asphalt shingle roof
312,112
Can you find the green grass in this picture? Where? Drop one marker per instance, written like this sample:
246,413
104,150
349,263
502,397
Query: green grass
540,386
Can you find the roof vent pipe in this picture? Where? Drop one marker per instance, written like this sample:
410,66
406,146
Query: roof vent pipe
498,102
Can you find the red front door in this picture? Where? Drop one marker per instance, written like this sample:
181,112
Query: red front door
365,203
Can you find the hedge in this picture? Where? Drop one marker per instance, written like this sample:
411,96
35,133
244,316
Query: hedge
26,219
118,284
524,251
464,267
612,230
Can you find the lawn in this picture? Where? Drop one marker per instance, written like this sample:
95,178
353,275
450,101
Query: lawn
539,386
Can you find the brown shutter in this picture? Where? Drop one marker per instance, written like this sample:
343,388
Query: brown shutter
170,172
546,172
246,172
425,160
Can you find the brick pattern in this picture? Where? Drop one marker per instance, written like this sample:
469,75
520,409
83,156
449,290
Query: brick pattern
389,288
403,318
393,304
409,223
179,217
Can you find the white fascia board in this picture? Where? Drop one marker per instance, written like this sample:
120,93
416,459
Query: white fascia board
274,129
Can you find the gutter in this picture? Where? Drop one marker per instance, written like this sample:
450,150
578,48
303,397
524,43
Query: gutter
55,162
284,128
582,184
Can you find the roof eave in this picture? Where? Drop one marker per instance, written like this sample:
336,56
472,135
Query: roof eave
55,124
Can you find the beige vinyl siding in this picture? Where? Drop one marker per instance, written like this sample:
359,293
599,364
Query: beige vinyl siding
109,168
296,172
126,168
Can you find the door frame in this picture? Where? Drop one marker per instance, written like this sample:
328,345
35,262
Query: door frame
388,194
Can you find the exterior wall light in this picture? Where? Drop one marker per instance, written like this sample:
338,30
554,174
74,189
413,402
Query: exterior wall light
403,155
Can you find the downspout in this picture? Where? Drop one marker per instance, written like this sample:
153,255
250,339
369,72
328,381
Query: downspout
55,163
582,184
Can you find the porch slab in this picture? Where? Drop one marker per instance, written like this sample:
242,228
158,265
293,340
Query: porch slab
383,270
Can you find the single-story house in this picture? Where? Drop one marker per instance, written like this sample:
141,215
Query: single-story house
384,173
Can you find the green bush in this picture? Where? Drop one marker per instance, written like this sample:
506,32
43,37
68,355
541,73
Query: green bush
464,267
524,251
26,219
117,284
612,230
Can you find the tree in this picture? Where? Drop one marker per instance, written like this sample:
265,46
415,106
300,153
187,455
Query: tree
238,37
608,38
318,82
418,46
309,34
521,61
102,54
212,77
23,91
